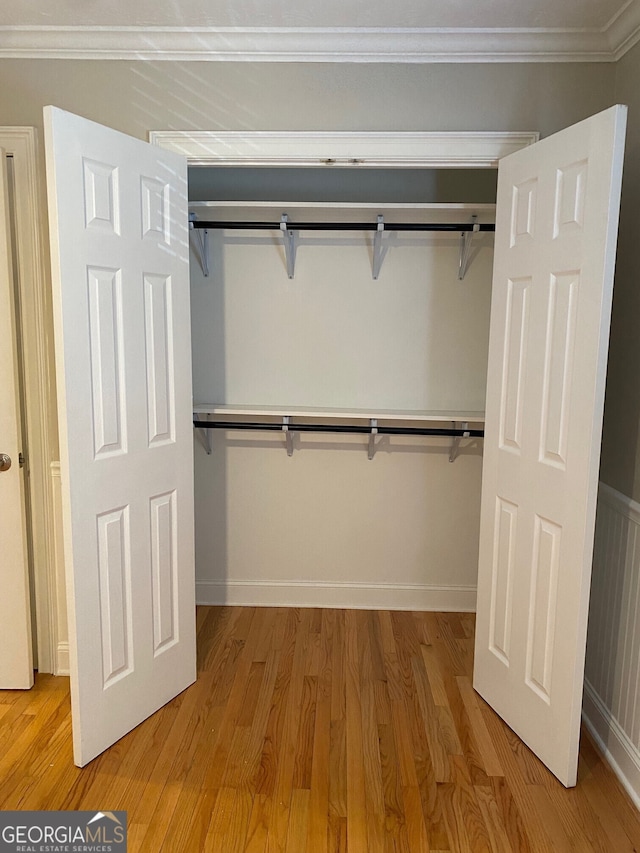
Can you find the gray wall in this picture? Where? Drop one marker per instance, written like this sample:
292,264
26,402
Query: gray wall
620,465
137,96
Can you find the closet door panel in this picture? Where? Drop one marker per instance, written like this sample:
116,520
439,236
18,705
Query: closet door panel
118,211
556,225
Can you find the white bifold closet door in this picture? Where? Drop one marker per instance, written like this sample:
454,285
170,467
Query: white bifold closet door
555,242
118,216
16,658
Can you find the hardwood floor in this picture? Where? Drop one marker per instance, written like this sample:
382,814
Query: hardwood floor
318,730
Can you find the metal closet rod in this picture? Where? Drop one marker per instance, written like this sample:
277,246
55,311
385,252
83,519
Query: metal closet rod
348,428
345,226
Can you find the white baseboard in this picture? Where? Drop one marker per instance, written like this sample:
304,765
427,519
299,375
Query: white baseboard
613,644
612,741
62,659
342,595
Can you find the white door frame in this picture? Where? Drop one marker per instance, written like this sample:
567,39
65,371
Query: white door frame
20,143
469,150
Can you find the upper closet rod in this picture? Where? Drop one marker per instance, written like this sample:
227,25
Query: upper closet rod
347,226
290,231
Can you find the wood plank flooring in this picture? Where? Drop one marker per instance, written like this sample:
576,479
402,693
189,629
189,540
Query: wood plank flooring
318,731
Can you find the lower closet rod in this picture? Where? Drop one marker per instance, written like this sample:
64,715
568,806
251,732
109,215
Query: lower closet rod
347,226
349,428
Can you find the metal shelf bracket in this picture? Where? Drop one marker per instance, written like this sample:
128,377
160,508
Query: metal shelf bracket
205,439
466,241
378,254
287,432
201,237
372,437
289,239
455,441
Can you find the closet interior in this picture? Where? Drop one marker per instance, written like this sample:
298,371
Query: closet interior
340,322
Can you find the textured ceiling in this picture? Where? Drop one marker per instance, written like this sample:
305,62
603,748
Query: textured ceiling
562,14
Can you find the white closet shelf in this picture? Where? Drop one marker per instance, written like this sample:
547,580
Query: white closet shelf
345,211
435,415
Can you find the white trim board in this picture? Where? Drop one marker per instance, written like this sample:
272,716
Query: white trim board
62,659
610,708
59,622
612,741
374,149
361,596
327,44
621,503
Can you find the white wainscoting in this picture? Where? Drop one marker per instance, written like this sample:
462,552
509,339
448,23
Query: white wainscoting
611,707
62,658
360,596
60,631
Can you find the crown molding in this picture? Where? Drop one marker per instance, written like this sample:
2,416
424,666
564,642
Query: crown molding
295,44
623,30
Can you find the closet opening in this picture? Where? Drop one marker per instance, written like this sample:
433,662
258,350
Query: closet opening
353,514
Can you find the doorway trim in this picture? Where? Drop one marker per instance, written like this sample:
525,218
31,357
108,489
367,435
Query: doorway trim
423,149
20,143
281,149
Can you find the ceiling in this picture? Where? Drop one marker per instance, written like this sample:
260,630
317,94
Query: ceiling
322,30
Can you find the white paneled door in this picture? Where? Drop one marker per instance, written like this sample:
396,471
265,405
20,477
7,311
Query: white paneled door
16,660
553,273
118,218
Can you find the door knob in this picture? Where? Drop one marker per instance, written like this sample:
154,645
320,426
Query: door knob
5,462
